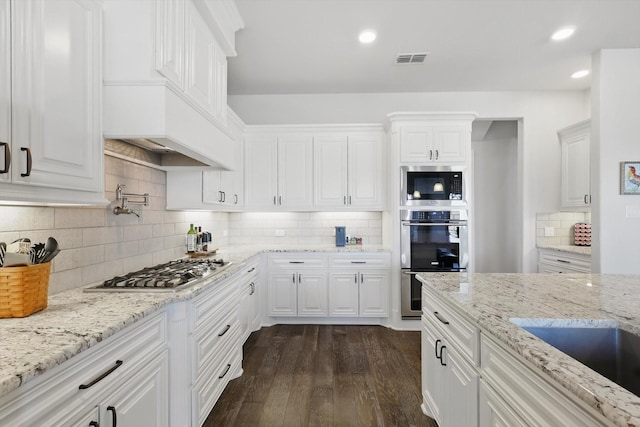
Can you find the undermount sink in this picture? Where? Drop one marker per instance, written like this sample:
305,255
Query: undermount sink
600,345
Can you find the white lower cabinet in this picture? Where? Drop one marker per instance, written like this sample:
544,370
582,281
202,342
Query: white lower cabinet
517,392
555,261
249,311
450,381
359,285
494,412
125,378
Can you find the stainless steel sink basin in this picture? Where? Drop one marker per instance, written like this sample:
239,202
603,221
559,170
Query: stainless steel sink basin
610,351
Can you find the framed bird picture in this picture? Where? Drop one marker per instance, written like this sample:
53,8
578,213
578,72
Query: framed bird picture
630,178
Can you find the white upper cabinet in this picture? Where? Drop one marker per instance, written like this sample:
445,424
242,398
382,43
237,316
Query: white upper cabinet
575,146
166,74
348,171
433,138
278,171
50,89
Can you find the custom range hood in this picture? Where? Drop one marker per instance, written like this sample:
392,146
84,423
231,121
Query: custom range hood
149,152
165,79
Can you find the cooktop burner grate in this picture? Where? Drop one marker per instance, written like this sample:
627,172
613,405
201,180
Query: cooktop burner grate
167,277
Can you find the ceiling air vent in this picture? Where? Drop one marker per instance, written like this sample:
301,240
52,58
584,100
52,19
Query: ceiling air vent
411,58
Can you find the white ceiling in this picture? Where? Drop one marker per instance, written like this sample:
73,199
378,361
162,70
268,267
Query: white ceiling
311,46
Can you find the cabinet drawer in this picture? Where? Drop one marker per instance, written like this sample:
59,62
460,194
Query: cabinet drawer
297,262
361,262
533,398
209,340
455,328
212,303
209,386
564,262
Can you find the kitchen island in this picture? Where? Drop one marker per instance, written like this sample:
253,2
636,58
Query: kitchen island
497,303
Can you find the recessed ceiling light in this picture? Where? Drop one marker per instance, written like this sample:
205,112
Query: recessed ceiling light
580,74
563,33
367,36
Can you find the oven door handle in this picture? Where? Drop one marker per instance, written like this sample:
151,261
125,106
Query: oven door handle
413,273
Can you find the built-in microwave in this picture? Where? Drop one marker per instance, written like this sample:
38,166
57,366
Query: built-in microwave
432,186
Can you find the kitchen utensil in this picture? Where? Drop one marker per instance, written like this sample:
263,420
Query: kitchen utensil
19,246
3,249
38,250
49,248
51,255
12,259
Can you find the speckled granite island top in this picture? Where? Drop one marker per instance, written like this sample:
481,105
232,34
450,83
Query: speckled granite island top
492,300
75,321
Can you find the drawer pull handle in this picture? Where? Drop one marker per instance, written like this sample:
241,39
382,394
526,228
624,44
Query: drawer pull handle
7,157
440,318
94,424
296,262
114,417
442,362
28,150
225,371
358,262
226,329
251,270
101,377
564,261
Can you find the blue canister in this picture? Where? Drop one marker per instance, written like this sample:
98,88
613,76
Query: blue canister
341,233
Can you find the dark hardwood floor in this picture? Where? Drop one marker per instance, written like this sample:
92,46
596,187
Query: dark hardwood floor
323,375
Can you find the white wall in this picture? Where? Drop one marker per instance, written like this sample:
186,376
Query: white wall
542,114
614,129
495,210
96,244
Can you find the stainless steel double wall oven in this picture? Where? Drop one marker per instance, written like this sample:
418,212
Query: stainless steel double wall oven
430,240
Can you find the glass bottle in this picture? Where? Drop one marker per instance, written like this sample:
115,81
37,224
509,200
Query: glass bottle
191,240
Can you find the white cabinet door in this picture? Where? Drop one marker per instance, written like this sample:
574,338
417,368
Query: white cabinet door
433,383
56,87
575,179
282,294
330,170
450,144
374,294
5,89
200,50
211,187
461,399
416,144
343,294
170,40
143,400
260,171
365,170
312,294
295,171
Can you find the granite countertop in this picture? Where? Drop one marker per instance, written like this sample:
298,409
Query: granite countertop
75,321
582,250
491,300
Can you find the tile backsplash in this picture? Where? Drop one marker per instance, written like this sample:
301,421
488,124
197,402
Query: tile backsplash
303,228
562,224
96,244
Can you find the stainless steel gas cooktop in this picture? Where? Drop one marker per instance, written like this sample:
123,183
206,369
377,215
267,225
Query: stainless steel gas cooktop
169,277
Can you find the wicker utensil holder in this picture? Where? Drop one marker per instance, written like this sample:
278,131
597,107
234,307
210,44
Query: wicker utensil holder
23,290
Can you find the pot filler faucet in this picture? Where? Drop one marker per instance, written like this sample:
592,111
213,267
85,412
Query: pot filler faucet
124,208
